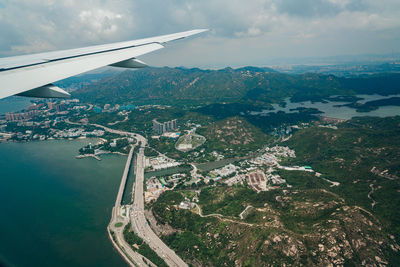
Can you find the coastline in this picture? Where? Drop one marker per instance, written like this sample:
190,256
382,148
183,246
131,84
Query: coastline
115,245
96,156
88,156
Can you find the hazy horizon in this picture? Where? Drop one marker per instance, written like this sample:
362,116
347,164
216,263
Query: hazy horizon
242,33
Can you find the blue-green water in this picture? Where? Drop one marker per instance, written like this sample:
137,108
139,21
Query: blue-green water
168,171
127,196
330,109
13,104
54,208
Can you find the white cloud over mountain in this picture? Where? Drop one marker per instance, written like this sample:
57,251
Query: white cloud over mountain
243,32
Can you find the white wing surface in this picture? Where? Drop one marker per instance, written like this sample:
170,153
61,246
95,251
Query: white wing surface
33,75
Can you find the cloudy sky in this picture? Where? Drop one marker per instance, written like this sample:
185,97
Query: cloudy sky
243,32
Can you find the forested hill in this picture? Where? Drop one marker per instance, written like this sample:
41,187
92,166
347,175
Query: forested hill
249,84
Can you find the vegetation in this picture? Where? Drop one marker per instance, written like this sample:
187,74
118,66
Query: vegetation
287,225
166,146
149,152
139,120
132,239
121,145
179,86
223,111
303,180
274,120
384,84
348,154
229,201
373,105
86,150
266,122
234,137
309,213
283,227
118,224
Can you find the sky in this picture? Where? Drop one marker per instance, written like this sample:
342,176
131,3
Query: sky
242,32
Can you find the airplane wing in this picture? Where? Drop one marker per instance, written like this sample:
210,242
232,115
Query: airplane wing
33,75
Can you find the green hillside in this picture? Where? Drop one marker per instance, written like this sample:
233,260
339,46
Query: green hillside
310,223
363,154
254,85
234,134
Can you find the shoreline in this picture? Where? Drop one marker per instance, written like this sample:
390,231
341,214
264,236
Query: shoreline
88,156
116,247
96,156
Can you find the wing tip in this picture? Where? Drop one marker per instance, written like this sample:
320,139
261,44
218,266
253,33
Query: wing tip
181,35
197,31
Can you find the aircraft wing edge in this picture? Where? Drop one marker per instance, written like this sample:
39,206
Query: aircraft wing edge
17,81
9,63
33,75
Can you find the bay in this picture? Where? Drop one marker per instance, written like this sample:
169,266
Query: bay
331,109
55,208
14,104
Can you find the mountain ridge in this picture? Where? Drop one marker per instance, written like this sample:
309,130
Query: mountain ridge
248,84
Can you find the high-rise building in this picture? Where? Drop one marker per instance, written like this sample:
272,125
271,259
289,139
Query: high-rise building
161,128
21,116
60,107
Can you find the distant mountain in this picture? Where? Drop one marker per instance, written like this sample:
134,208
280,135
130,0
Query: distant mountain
343,70
256,69
248,84
80,81
383,84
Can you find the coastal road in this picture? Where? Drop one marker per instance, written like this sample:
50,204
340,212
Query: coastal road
125,250
138,137
138,219
118,222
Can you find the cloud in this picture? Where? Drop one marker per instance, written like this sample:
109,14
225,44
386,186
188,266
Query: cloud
319,8
64,24
243,32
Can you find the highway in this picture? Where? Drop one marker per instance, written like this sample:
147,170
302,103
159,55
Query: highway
138,137
130,256
138,220
125,250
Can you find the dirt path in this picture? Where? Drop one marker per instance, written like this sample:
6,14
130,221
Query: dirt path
116,122
221,217
373,189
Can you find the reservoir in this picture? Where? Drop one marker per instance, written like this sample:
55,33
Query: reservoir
330,108
55,208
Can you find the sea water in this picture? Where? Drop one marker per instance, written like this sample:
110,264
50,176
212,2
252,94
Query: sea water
55,208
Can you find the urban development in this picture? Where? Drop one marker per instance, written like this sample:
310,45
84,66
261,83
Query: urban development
221,192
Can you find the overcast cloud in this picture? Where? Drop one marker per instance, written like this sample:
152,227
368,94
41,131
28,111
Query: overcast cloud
243,32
